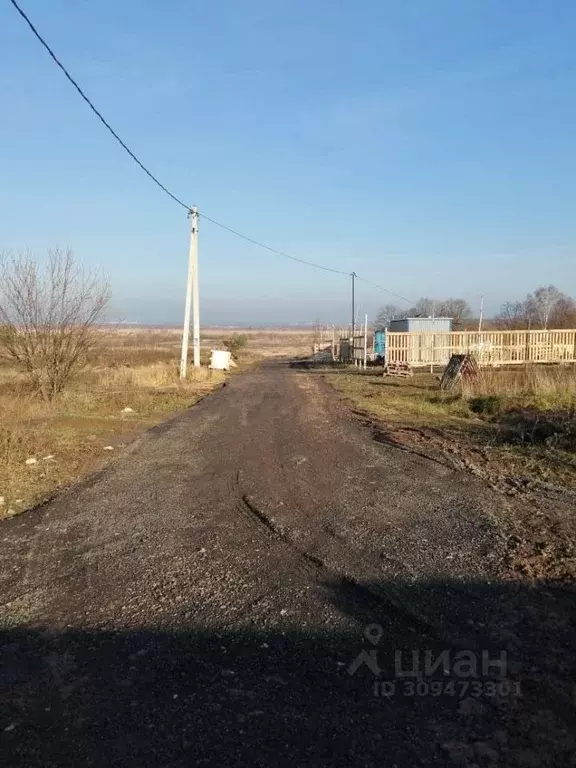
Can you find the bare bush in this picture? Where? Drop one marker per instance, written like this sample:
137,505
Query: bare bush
236,343
48,316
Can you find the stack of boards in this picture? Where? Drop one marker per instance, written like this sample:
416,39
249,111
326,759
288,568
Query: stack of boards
402,370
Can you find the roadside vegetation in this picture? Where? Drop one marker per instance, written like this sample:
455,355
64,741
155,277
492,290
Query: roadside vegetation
235,343
519,422
126,386
514,429
74,391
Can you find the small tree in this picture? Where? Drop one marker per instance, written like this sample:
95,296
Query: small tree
564,313
48,316
542,303
235,343
513,316
317,329
458,309
385,315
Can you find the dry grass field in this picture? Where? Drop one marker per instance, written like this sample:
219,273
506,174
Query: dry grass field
130,368
265,342
539,386
524,420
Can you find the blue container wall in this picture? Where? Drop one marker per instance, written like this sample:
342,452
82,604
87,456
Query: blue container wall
380,343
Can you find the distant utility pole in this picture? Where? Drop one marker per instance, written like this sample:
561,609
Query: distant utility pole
353,276
481,313
192,298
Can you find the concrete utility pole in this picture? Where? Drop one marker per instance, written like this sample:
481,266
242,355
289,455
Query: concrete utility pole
195,292
353,276
192,298
481,313
353,324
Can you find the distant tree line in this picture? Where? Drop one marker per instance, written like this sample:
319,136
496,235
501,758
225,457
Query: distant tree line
458,309
546,307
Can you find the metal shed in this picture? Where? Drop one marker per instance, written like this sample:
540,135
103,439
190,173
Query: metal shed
421,325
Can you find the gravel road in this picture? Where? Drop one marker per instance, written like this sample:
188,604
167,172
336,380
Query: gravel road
251,584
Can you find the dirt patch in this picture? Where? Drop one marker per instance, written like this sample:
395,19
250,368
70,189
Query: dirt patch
555,429
539,517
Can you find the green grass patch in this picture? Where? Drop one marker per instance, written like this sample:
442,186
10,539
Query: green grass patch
527,430
415,401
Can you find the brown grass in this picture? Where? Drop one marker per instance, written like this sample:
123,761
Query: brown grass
133,368
525,417
553,384
419,399
135,345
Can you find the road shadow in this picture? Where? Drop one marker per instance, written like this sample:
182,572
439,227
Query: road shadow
503,694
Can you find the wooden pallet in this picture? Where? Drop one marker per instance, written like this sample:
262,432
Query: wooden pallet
401,370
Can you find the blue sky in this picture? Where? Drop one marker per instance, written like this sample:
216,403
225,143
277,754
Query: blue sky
426,144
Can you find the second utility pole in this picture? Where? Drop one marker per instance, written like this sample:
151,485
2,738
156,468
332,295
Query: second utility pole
192,299
353,276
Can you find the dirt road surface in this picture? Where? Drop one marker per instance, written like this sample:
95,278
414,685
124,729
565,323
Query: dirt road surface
253,582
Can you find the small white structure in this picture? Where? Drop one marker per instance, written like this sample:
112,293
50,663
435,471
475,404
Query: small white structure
421,325
221,360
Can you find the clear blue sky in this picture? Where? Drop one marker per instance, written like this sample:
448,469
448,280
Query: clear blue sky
429,145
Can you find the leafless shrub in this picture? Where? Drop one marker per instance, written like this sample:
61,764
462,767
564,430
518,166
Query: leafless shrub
48,316
236,343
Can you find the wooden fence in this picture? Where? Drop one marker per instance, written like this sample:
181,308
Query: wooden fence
356,350
489,347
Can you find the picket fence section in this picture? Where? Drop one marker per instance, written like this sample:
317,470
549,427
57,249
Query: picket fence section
491,348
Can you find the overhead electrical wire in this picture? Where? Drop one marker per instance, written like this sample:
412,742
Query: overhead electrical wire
176,199
272,250
374,285
93,108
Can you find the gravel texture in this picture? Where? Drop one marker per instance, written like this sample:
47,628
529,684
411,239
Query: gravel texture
204,601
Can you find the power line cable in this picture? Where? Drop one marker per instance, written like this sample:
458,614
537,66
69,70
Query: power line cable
93,108
141,164
273,250
176,199
374,285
